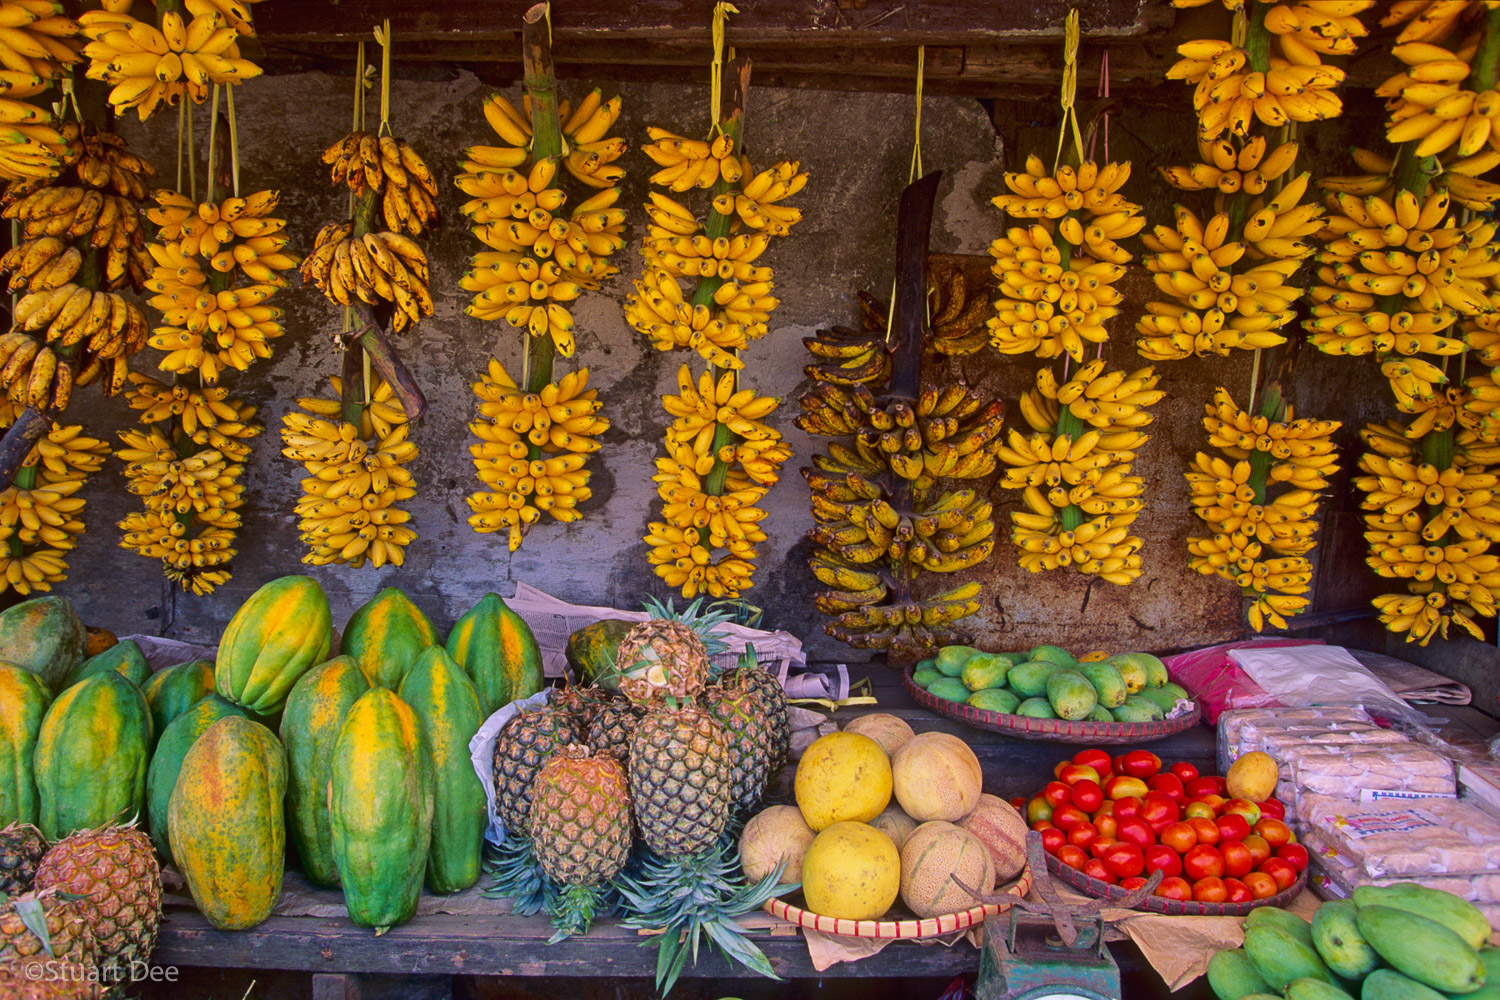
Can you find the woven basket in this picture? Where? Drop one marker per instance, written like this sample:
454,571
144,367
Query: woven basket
1023,727
893,930
1090,886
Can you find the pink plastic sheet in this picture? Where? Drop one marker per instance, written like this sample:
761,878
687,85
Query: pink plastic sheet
1218,682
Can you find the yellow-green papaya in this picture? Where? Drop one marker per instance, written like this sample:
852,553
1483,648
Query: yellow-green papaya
274,638
386,635
176,689
166,762
23,705
91,756
43,635
496,648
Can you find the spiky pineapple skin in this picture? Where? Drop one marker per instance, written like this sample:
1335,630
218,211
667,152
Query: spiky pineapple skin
69,932
522,747
679,780
773,709
116,869
580,817
21,849
610,727
16,985
660,659
749,737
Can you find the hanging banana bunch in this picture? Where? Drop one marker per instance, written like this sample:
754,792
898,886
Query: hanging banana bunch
1259,497
38,43
1074,471
150,66
41,515
81,241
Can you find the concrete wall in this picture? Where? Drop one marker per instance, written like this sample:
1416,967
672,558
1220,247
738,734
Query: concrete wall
857,148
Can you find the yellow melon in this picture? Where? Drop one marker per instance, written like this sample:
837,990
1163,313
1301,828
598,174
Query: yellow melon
1000,828
853,871
894,824
882,727
936,776
934,854
774,834
842,776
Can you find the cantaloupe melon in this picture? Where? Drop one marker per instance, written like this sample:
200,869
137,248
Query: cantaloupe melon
936,776
852,871
1000,828
934,854
894,824
886,729
774,834
842,776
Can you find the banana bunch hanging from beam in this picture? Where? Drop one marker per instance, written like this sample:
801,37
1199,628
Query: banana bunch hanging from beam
81,241
41,513
1431,105
881,519
1260,501
356,475
393,171
1461,177
38,43
1057,274
541,257
1074,471
382,266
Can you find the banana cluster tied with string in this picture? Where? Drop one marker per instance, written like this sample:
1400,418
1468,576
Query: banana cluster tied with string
41,513
1259,496
37,43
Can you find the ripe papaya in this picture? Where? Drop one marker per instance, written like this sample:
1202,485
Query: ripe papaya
91,756
176,689
1388,984
226,822
273,639
498,651
444,699
380,809
1459,915
1232,976
386,635
1421,948
1336,937
310,723
124,658
23,705
43,635
176,739
1281,956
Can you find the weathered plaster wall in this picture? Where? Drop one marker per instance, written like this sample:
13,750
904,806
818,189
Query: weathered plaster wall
857,148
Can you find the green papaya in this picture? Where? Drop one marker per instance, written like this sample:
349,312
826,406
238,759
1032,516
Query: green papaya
1101,714
310,725
495,647
24,697
1458,915
924,676
124,658
949,689
1388,984
950,660
91,756
446,702
1107,682
590,652
1071,695
1284,919
43,635
176,689
1427,951
380,808
1140,701
1281,956
984,670
386,635
1029,678
1132,670
1036,708
1052,654
995,700
166,762
271,640
1232,976
1314,989
1336,936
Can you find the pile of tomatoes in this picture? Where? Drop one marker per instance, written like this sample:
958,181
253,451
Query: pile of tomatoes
1121,818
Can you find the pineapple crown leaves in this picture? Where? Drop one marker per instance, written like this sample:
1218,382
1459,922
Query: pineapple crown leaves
34,918
513,873
575,907
703,620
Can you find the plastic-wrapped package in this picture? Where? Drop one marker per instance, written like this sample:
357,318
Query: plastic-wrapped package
1395,840
1395,767
1243,730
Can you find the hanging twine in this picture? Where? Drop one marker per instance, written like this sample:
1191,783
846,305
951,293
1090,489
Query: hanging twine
722,10
383,37
912,175
1069,89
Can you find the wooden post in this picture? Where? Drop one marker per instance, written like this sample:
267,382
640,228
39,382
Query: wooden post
334,986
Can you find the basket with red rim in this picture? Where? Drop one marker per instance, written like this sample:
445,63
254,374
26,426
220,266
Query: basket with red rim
899,928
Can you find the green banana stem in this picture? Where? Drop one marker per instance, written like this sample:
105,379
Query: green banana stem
1485,66
1070,427
1273,408
546,140
1258,40
353,394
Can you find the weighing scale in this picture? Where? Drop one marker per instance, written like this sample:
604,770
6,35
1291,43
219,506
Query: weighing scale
1052,949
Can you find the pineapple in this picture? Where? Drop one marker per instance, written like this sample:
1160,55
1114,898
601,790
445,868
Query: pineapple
610,727
772,709
21,848
115,868
660,658
679,779
70,938
580,830
522,747
737,707
16,985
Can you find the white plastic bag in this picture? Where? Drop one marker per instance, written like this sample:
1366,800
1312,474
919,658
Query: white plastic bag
482,756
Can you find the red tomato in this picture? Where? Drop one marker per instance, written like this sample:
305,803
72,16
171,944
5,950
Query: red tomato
1087,795
1077,772
1099,845
1081,834
1199,810
1202,861
1259,849
1212,799
1185,772
1221,783
1294,855
1206,829
1238,891
1237,859
1065,817
1073,857
1107,806
1210,889
1053,839
1232,827
1097,759
1159,812
1160,857
1038,810
1242,807
1137,832
1041,825
1057,768
1281,871
1273,808
1180,836
1275,831
1124,859
1169,785
1106,824
1132,883
1202,785
1019,802
1117,763
1175,887
1262,886
1126,808
1094,868
1057,794
1141,764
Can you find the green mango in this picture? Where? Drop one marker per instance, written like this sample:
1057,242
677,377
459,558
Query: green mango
1029,679
1052,654
1129,713
1232,976
1130,668
995,700
1071,694
951,659
1314,989
1162,697
984,670
1036,708
1151,708
1101,714
1281,957
928,664
1427,951
1107,681
1284,919
949,689
1388,984
1490,956
1336,936
924,676
1458,915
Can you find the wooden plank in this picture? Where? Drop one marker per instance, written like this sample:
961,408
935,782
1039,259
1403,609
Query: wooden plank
335,986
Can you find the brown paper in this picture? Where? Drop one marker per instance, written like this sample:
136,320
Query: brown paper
827,950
